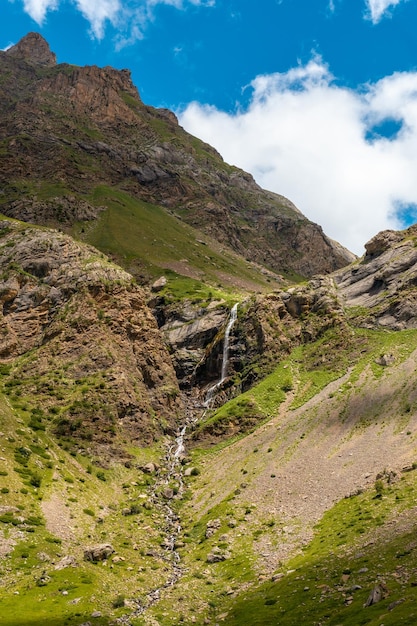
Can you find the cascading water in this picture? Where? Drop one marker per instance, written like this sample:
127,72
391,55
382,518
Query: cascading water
212,390
172,462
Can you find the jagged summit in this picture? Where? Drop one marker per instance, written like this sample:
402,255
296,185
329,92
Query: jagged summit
33,48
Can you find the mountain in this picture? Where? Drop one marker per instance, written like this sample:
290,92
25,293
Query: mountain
78,144
162,461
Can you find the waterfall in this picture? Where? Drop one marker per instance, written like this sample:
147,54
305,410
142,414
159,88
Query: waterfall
172,462
211,390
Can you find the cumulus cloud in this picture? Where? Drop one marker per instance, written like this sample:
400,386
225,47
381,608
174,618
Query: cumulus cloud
324,146
377,8
129,16
97,13
37,9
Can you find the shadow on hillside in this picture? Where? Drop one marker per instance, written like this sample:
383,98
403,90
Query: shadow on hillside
382,404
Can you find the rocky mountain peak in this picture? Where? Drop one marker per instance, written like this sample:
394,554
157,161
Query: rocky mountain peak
34,49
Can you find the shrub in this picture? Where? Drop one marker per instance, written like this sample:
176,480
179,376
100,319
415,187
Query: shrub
35,480
379,487
7,518
135,509
118,602
89,512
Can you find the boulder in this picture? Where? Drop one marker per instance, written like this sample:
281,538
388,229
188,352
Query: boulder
385,360
99,552
149,468
119,559
212,526
159,284
67,561
167,493
191,471
217,555
378,593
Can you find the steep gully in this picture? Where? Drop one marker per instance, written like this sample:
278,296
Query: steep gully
174,473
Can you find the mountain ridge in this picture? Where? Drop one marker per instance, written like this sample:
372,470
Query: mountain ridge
94,129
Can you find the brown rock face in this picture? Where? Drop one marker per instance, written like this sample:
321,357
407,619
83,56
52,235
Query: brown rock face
33,49
88,346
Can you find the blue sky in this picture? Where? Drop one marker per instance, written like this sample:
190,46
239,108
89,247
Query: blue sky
316,98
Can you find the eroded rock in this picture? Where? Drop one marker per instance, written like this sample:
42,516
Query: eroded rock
217,555
378,593
99,552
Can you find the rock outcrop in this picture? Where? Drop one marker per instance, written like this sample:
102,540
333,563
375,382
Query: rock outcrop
190,333
88,346
382,285
33,49
270,326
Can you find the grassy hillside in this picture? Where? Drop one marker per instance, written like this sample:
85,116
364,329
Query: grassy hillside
362,542
316,506
307,370
142,235
148,241
54,504
311,510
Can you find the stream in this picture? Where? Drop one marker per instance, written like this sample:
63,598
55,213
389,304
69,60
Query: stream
174,473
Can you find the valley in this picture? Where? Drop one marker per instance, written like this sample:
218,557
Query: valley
208,409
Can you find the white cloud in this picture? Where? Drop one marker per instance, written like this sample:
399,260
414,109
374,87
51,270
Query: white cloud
130,17
37,9
306,138
97,13
180,4
377,8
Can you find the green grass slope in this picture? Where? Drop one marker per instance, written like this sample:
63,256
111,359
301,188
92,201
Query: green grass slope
53,505
146,239
316,506
365,541
308,513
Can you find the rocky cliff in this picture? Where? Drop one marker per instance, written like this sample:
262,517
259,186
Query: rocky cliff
82,346
66,129
382,285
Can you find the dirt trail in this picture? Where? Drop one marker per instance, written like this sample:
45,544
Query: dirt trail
57,516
